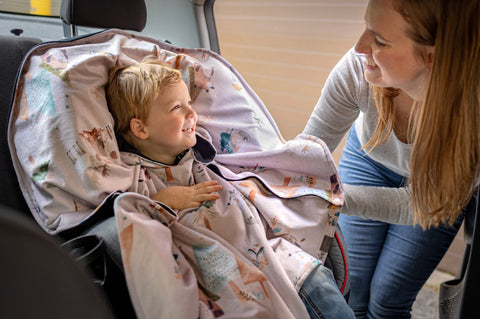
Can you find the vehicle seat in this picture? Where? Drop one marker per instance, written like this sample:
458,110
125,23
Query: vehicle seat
126,14
12,51
458,298
39,278
121,14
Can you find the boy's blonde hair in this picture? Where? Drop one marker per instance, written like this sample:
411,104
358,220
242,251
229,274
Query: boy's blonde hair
131,89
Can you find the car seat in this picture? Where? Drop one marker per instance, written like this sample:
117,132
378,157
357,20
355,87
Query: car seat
74,13
12,50
34,269
458,298
124,14
39,278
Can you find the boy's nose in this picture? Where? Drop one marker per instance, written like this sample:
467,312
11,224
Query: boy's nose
190,112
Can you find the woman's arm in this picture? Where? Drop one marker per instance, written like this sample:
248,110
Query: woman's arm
386,204
338,105
345,93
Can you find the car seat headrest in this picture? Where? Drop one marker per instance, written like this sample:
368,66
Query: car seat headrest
121,14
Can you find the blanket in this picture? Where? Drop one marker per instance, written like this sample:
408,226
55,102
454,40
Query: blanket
68,163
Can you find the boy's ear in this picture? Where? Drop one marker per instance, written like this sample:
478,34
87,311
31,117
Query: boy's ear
138,129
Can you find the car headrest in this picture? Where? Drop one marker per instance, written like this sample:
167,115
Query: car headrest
121,14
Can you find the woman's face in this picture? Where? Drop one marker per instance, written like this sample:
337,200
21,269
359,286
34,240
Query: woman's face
392,59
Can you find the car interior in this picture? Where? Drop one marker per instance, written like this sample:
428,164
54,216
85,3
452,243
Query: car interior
45,276
87,253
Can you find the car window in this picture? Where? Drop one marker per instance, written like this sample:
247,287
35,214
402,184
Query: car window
34,18
33,7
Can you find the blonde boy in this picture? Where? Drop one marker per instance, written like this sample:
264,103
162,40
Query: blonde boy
152,110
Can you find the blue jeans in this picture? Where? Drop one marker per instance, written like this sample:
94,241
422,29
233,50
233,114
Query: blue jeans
389,263
322,298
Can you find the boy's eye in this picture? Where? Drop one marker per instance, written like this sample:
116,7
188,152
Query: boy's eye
175,107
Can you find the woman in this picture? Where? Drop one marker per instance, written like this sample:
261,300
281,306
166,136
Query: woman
410,88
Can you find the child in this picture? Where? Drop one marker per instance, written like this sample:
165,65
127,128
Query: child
161,127
152,110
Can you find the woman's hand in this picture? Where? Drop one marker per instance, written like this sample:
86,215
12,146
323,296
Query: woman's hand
182,197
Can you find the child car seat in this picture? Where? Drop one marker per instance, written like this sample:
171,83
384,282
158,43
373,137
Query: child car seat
71,13
12,51
34,291
78,164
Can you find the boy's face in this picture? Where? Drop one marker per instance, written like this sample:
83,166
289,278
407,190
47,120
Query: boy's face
170,127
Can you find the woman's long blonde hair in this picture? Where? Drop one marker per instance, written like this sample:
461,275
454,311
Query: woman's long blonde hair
446,129
446,152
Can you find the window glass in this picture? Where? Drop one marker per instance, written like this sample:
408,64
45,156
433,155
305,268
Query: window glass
34,7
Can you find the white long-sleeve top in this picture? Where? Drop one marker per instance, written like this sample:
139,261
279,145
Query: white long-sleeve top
346,100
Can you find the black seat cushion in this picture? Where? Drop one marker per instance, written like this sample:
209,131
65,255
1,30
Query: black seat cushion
39,278
12,51
121,14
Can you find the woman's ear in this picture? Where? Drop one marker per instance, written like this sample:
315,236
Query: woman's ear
430,55
138,129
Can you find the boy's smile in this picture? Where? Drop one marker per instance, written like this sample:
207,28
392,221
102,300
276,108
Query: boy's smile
189,127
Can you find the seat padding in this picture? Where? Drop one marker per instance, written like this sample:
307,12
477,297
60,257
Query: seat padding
12,50
122,14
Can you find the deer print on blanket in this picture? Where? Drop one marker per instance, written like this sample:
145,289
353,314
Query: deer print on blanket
99,145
